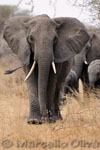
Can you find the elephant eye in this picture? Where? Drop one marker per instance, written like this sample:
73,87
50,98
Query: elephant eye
30,39
87,47
55,39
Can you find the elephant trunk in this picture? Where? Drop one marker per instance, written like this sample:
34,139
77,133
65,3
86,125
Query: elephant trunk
79,61
92,80
43,74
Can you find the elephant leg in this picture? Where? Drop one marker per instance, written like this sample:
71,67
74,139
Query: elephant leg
51,93
66,66
50,96
34,111
57,102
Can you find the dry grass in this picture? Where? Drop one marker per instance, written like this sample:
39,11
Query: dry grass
81,117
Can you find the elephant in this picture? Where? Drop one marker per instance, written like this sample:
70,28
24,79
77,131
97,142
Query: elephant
45,46
78,70
70,85
90,52
81,61
94,73
94,52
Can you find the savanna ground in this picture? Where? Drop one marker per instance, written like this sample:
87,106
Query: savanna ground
80,127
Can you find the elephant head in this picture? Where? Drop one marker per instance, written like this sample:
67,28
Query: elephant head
80,59
90,52
94,52
94,72
44,41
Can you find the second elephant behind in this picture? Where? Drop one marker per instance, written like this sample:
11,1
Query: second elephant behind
94,73
90,53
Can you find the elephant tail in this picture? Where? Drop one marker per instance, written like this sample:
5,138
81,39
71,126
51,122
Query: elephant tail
10,71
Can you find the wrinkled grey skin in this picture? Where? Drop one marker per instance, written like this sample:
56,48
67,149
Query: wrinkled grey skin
71,82
94,73
79,60
79,68
70,85
94,52
45,40
91,52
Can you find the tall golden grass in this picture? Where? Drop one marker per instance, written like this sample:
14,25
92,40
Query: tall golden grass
81,117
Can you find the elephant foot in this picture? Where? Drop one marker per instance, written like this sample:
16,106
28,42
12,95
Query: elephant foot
44,119
58,115
51,118
62,100
34,120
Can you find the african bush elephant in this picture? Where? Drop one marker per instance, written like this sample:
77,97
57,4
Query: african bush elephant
94,52
94,73
71,82
46,46
70,86
79,69
80,60
90,52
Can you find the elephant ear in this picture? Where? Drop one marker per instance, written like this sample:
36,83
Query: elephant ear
72,37
15,35
94,52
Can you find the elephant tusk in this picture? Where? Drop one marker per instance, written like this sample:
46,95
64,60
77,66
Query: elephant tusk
85,62
54,67
31,70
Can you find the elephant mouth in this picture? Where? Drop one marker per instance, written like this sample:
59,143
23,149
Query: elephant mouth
33,67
